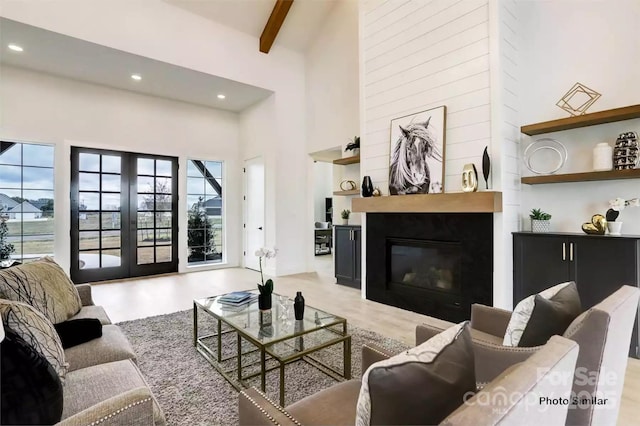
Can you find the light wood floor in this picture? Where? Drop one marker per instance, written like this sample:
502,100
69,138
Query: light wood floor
139,298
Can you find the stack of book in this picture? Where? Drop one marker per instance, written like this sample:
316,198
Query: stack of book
237,298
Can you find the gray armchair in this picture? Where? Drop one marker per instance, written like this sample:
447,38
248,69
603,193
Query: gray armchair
602,332
510,395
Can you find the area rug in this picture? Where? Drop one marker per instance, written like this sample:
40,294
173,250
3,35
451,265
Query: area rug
190,390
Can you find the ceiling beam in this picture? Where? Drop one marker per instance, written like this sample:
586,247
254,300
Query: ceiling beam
274,24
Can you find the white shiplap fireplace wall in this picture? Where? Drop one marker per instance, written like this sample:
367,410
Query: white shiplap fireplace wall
420,54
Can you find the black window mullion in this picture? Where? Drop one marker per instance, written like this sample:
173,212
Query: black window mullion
100,212
22,197
155,208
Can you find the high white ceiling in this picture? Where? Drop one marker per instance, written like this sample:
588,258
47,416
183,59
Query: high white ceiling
69,57
250,16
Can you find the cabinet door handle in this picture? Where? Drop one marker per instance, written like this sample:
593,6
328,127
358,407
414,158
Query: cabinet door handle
571,252
564,251
350,234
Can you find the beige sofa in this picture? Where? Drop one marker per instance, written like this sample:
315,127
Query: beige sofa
511,398
103,385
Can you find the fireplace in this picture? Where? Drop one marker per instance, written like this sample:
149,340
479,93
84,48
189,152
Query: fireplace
437,264
424,264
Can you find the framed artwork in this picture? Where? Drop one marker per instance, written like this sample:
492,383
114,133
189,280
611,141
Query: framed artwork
417,153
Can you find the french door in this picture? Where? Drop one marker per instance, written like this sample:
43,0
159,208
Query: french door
124,214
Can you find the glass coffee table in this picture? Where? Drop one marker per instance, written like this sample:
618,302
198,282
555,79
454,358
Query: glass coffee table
285,340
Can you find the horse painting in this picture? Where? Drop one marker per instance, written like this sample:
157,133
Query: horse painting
417,146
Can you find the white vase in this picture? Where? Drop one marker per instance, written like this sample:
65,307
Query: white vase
602,157
614,228
345,221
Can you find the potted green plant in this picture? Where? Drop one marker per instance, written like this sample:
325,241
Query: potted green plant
540,221
345,216
354,145
265,287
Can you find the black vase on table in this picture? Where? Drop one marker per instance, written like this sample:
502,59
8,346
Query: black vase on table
298,306
367,187
264,301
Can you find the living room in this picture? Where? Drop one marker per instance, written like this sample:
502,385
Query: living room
336,69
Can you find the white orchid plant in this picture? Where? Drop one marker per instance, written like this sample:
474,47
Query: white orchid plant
617,205
266,287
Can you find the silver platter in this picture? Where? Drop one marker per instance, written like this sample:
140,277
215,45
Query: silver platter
545,146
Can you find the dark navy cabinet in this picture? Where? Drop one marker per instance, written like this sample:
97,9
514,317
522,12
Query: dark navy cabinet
598,264
348,255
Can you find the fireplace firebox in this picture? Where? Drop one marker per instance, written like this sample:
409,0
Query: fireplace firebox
437,264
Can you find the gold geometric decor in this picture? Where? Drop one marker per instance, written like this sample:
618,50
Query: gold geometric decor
578,99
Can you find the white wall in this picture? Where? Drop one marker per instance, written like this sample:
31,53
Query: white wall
333,98
420,55
597,44
38,107
257,132
332,77
504,35
323,188
158,30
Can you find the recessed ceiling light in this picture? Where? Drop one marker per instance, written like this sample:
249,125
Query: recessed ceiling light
221,96
15,48
136,77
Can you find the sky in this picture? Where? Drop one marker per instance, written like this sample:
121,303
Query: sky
26,170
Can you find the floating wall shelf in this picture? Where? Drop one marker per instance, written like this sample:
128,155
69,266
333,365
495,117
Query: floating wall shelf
347,160
582,177
350,192
592,119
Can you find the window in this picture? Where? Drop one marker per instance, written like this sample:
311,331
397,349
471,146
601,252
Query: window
204,211
26,198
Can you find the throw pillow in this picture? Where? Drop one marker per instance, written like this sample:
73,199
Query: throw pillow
31,389
36,330
422,385
43,285
75,332
551,316
538,317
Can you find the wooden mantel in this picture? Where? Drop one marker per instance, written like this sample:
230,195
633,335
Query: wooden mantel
452,202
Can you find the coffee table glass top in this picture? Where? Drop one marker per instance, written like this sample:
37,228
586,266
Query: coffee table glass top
245,319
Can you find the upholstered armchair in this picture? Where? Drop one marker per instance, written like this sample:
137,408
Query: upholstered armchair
509,395
602,332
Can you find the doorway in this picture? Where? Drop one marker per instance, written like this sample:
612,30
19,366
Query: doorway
124,215
323,185
254,232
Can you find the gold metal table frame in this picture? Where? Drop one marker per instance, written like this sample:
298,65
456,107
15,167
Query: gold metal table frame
244,321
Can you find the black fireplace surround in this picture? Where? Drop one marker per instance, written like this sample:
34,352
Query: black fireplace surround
437,264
